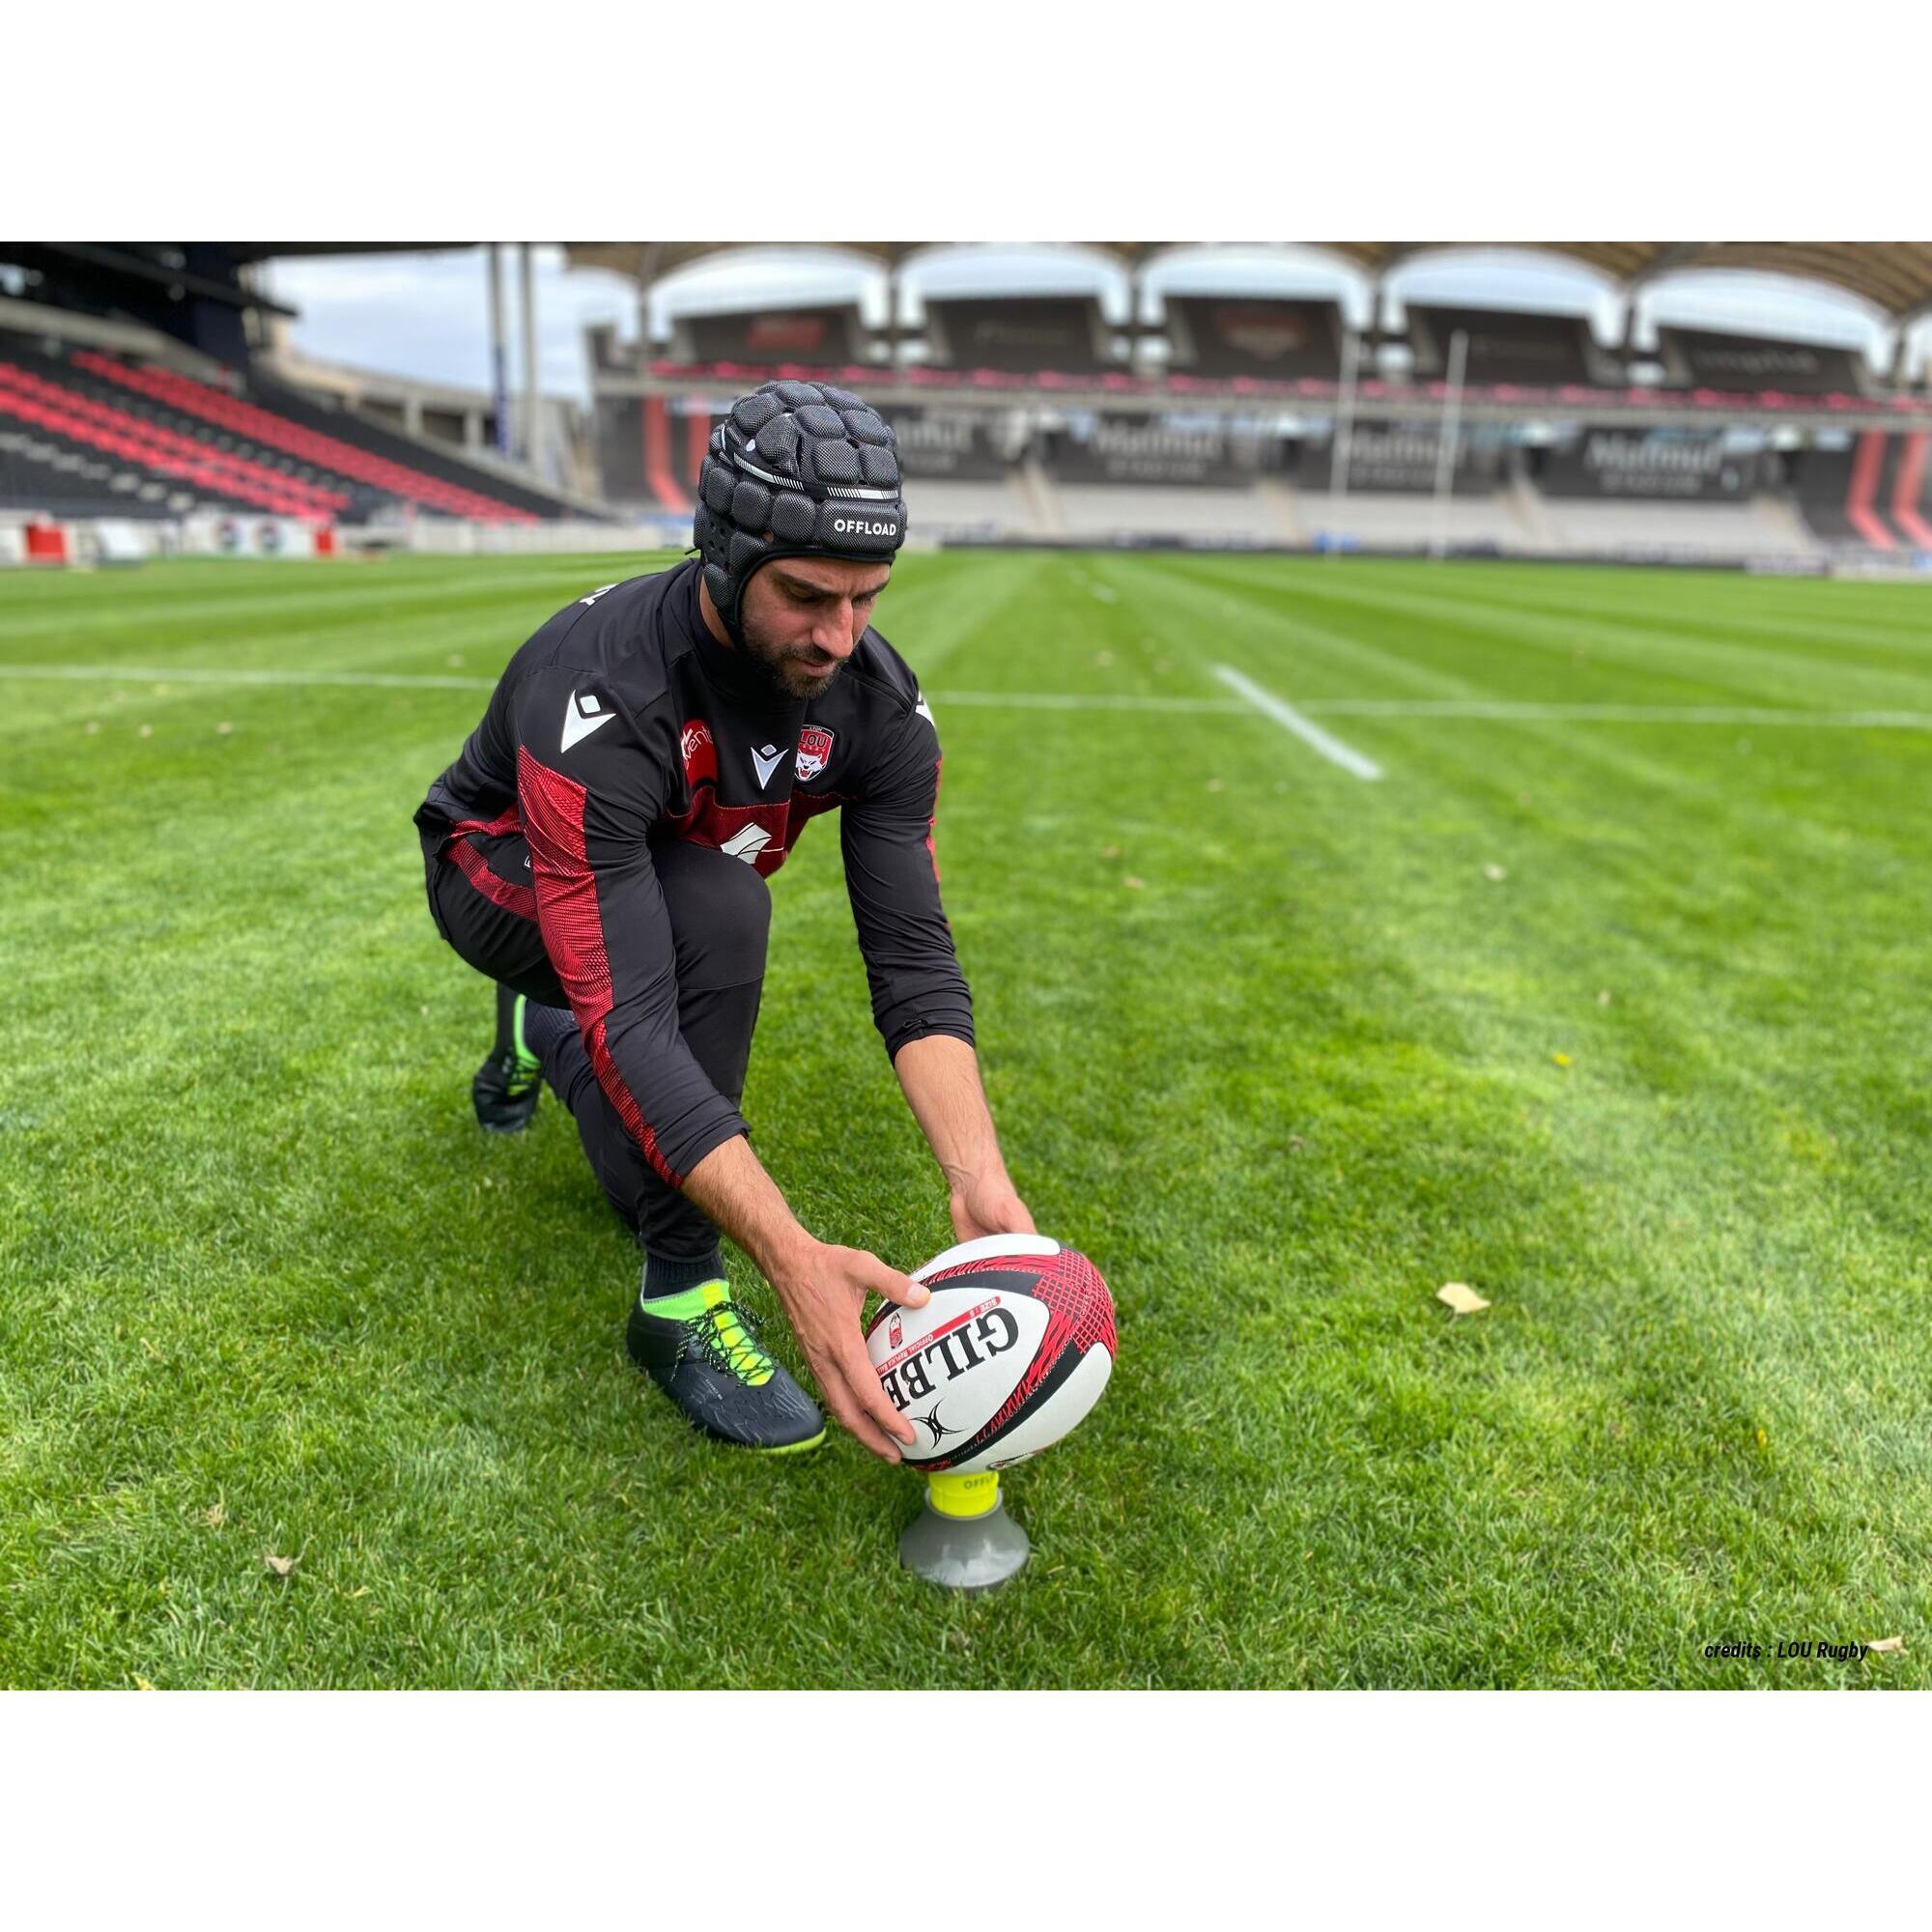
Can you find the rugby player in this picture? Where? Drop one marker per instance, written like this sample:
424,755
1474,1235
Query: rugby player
600,849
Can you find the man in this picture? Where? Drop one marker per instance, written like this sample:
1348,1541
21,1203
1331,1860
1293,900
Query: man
600,849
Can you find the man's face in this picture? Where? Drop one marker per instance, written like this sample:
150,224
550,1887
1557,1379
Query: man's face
803,616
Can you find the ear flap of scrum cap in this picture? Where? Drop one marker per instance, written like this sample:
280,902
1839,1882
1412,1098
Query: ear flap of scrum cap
796,469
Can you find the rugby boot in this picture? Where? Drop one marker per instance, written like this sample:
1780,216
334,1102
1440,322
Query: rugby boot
702,1349
504,1092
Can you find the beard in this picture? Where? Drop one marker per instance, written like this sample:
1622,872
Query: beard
783,667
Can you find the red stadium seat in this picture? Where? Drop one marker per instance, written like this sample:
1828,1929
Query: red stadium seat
329,453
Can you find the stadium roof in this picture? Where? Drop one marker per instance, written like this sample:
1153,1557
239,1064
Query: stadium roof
1894,276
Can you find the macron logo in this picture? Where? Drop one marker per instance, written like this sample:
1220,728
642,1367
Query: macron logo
766,760
582,716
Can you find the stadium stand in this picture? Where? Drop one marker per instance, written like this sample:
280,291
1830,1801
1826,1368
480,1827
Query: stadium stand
801,341
1402,459
1650,464
1109,513
46,472
1213,337
956,445
1488,522
171,443
955,511
282,428
1759,527
1522,351
1216,417
649,449
125,459
1751,365
1024,338
1215,451
1876,491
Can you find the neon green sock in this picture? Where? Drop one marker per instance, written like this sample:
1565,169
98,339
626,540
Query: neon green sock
687,1304
527,1059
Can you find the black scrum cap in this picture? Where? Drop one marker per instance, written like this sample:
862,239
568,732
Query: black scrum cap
796,469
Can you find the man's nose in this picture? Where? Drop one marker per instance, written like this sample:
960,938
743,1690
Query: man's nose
836,633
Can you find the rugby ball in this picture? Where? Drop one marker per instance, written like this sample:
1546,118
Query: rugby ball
1010,1352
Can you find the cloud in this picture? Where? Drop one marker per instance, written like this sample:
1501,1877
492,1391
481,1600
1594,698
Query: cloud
428,315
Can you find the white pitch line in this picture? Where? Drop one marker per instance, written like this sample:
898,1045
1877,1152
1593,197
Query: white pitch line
1501,711
1042,700
198,674
1506,712
1306,729
1019,701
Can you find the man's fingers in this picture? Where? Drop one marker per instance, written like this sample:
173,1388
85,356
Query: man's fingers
864,1377
1010,1217
894,1285
848,1404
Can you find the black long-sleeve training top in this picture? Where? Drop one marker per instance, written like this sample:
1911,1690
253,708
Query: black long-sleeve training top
623,724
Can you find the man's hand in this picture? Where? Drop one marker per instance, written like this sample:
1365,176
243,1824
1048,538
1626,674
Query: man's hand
986,1204
941,1078
823,1290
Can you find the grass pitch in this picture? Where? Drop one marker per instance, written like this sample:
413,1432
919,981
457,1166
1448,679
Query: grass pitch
1607,999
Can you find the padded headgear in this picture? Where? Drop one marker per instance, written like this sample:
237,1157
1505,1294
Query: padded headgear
796,469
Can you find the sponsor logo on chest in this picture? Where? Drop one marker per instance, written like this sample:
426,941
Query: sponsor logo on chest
699,753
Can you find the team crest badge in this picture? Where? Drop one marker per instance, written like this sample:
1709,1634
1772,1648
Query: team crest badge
895,1332
814,750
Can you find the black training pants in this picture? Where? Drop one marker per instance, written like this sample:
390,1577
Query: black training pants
721,913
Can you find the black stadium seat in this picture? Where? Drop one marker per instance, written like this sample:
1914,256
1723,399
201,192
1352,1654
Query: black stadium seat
243,444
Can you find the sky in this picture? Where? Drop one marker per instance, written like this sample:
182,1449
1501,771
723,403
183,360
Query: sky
427,314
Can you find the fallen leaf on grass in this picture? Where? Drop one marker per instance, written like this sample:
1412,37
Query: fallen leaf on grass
1495,874
146,732
215,1515
1561,1058
282,1566
1110,852
1459,1297
1135,883
1879,1645
1603,998
223,728
142,1684
362,1592
1215,785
